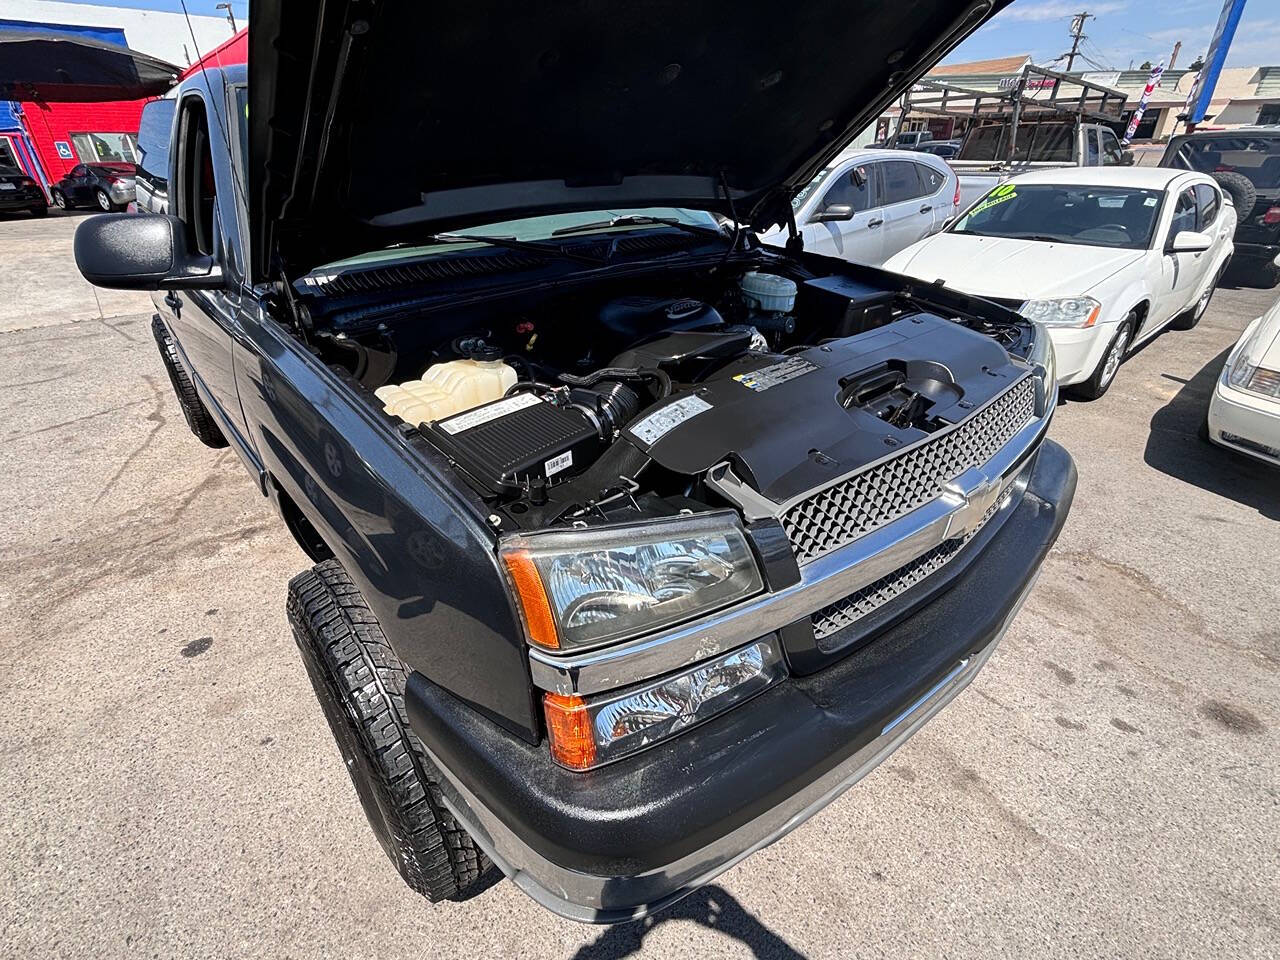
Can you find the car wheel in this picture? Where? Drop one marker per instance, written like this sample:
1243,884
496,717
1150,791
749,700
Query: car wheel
360,684
1270,275
197,415
1105,373
40,211
104,201
1189,318
60,200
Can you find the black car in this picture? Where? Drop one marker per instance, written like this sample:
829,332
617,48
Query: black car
1246,162
106,186
20,192
692,531
946,149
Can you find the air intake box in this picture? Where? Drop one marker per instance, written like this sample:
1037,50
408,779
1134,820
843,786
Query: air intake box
503,445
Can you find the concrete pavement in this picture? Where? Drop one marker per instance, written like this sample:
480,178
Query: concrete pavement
1109,786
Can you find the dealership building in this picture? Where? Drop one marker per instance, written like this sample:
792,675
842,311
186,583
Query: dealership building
46,140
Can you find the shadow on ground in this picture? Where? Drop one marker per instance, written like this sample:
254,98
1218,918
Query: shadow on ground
1174,447
710,906
1242,275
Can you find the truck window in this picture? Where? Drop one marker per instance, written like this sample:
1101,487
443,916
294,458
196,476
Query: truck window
1052,142
1112,152
983,143
1091,147
197,192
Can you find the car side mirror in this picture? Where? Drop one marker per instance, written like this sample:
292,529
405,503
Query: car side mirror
1126,158
126,251
837,211
1190,241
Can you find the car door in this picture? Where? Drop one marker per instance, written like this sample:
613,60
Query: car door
845,222
933,182
905,209
204,321
75,184
1180,273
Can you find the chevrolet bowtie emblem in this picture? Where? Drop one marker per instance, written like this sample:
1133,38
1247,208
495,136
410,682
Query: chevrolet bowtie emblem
972,495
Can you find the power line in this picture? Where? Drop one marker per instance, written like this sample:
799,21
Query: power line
1077,34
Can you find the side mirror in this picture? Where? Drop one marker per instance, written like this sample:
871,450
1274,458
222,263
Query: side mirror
837,211
1126,158
128,251
1190,241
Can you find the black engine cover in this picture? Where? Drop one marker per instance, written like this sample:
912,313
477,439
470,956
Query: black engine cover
782,420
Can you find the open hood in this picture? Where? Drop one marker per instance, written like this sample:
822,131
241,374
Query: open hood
375,121
58,68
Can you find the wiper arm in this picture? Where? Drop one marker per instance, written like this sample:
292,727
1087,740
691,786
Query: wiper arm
512,244
639,220
1045,238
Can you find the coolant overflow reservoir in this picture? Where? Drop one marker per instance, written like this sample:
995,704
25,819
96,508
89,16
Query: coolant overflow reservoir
768,292
446,389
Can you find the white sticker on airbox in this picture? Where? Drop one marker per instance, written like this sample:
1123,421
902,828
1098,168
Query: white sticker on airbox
656,425
775,373
490,411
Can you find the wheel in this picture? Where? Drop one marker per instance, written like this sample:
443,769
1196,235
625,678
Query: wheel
1189,318
1241,191
40,211
1105,372
104,201
360,685
1270,275
196,413
60,200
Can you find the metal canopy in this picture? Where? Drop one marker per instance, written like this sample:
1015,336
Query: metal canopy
57,68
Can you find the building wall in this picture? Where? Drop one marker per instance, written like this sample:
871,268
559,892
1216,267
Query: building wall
53,123
156,32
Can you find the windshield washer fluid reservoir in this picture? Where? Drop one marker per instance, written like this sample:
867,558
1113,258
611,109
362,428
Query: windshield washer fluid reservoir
446,389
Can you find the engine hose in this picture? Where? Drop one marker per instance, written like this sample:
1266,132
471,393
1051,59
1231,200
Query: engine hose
621,373
524,385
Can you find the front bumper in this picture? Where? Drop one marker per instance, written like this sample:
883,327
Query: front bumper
620,841
1079,350
1245,422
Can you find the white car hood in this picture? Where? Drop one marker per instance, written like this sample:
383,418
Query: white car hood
1015,269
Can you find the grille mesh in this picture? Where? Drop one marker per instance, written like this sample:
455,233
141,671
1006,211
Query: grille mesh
844,613
852,508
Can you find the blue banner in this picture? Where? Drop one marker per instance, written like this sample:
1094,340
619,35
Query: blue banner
1202,92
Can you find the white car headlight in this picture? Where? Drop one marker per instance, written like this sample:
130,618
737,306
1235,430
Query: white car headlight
1068,312
586,587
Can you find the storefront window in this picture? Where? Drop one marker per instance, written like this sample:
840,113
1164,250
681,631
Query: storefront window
106,147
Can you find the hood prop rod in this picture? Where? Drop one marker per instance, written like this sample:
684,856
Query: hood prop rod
733,213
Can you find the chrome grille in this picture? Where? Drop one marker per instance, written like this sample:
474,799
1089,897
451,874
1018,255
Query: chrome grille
844,613
855,506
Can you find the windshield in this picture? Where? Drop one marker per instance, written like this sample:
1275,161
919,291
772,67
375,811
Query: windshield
1091,216
1052,142
8,171
538,228
1257,158
798,200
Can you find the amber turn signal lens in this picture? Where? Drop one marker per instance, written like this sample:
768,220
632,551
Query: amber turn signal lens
533,599
573,744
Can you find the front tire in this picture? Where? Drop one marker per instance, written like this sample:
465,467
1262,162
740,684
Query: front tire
197,415
60,200
360,685
1105,373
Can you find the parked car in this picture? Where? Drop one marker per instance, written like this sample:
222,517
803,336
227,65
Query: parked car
912,139
636,541
1244,409
1104,258
154,132
944,149
20,192
107,186
1246,163
870,204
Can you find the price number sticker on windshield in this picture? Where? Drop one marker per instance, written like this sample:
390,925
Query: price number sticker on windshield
1006,191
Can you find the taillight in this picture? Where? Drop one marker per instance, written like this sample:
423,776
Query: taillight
955,200
1272,216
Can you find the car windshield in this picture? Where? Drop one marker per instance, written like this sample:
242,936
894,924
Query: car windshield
8,171
1066,213
540,228
798,200
1254,157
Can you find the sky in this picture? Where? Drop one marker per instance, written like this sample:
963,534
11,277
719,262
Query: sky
1125,31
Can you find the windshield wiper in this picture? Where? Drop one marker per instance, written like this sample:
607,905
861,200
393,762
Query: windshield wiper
513,244
1045,238
638,220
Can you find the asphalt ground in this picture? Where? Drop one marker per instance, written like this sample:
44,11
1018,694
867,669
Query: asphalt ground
1108,786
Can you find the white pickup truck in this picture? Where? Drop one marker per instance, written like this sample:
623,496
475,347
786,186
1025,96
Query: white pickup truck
1038,145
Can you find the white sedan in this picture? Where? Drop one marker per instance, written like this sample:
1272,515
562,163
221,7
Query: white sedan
1244,411
1105,257
869,204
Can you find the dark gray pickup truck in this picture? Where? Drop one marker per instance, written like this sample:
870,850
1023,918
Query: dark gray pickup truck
636,542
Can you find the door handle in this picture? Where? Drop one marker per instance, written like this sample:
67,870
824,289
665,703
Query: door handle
172,301
874,223
926,208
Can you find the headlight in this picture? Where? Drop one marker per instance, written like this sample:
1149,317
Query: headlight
588,733
1071,312
591,586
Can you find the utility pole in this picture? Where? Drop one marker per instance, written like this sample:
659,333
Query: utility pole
230,16
1077,34
1173,57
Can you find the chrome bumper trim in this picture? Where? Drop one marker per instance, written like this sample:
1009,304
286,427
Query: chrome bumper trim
823,581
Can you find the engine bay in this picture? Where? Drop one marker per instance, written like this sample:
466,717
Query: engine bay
620,400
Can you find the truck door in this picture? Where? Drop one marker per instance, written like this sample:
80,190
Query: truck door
202,321
845,222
